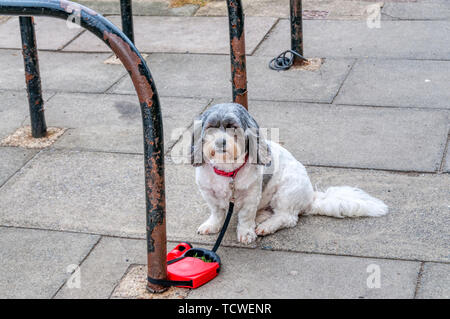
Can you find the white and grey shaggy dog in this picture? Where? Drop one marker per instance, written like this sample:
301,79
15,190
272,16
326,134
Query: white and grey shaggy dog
271,187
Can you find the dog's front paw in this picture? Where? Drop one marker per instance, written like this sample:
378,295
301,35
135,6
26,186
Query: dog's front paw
265,228
246,236
208,228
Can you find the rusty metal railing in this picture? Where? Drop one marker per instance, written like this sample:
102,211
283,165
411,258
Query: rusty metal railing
32,77
296,19
143,82
237,52
32,74
150,110
237,45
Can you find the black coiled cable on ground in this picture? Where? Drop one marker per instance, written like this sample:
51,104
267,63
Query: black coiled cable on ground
284,61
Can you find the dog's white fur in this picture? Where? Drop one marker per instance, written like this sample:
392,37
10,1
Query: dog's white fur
269,198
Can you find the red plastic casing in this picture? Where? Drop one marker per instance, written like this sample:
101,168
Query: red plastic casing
190,268
179,250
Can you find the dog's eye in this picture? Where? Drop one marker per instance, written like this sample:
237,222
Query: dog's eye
213,125
230,125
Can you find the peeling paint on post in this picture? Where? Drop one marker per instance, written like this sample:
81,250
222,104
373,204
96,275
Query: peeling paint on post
296,30
150,109
237,52
32,77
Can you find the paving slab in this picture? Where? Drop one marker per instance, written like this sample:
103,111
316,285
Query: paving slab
12,159
353,136
67,72
102,193
182,35
70,194
394,39
262,274
104,268
13,111
423,9
403,83
178,75
51,33
416,227
335,9
141,7
109,122
35,263
134,286
435,282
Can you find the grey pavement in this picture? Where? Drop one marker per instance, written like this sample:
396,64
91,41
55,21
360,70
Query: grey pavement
313,9
408,83
307,276
36,263
51,33
375,115
112,123
12,116
178,75
181,35
142,7
393,39
355,136
421,10
72,72
435,281
12,160
105,266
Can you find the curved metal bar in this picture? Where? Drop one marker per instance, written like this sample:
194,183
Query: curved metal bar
150,109
237,52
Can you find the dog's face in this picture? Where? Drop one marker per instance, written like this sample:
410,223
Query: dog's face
226,134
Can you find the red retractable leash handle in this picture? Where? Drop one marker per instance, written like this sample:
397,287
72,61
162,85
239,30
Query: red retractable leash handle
197,266
186,269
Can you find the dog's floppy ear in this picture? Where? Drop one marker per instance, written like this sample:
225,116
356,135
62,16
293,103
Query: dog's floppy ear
197,143
258,149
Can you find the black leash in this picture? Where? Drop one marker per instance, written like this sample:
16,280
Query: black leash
168,283
224,227
284,61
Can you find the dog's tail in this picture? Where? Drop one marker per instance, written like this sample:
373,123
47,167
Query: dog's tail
345,201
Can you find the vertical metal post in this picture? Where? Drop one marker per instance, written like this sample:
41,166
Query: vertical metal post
237,52
296,29
32,77
126,12
154,169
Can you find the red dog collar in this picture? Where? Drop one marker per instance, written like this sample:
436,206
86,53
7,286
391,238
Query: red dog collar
231,174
